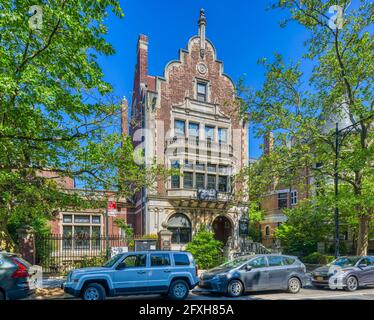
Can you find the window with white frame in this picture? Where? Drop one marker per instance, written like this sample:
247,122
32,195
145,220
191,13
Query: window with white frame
175,179
179,127
282,200
294,197
222,135
209,133
193,129
81,231
201,91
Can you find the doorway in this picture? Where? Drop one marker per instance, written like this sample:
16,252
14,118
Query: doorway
222,229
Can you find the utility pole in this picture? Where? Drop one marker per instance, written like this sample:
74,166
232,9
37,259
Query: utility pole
336,183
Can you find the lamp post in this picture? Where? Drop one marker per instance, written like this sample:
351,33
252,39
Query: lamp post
336,187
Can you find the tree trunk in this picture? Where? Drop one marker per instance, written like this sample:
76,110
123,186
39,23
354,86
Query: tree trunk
363,235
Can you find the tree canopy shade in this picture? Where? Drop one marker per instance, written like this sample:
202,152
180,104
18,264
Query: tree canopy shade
299,109
57,114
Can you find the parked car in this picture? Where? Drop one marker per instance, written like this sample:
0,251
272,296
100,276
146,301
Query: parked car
169,273
349,273
17,277
255,273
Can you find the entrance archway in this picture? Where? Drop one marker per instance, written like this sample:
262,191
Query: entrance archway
222,229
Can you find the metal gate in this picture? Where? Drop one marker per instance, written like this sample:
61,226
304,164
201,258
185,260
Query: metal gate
58,254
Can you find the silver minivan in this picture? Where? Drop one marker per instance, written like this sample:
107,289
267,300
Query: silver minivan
255,273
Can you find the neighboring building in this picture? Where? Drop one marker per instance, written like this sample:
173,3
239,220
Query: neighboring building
89,222
187,119
279,198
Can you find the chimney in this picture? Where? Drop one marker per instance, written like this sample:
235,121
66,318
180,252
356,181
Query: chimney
202,26
268,142
142,63
124,117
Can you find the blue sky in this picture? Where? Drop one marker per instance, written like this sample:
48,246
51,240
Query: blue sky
242,31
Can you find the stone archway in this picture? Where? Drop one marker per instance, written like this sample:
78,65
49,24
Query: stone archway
222,228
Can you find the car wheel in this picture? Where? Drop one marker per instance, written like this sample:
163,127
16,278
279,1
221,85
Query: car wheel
235,288
352,284
179,290
93,291
2,295
294,285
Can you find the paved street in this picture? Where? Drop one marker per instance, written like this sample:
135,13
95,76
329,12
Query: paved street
305,294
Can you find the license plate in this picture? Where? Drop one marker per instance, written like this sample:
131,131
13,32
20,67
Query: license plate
319,278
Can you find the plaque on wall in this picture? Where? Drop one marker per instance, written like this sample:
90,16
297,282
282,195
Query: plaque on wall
207,194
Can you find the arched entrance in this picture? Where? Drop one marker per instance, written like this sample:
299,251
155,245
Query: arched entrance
222,229
180,226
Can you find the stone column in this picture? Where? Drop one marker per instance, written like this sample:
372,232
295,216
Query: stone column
26,243
164,238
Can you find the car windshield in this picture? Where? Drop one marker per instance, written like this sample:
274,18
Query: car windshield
345,261
110,263
233,263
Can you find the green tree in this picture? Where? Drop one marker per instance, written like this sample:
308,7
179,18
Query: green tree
206,250
57,113
339,86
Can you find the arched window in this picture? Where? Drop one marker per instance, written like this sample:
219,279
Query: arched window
180,226
267,231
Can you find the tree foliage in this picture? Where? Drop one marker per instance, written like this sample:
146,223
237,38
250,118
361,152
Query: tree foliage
58,117
299,109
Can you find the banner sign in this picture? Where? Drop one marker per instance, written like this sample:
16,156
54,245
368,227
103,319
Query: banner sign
112,208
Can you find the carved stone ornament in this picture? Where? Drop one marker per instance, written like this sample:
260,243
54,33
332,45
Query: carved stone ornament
202,68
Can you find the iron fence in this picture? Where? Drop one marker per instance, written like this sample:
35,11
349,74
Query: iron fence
58,254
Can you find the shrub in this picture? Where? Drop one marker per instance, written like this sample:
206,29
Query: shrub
90,262
317,258
342,248
150,236
206,250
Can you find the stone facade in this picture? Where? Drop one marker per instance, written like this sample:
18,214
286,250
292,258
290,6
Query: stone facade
187,119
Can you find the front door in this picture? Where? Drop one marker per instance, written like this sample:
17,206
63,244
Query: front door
222,229
131,274
258,277
159,272
278,273
366,274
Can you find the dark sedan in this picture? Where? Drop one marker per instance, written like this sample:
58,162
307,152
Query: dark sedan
15,277
349,273
255,273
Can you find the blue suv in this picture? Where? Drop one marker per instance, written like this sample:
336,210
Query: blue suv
169,273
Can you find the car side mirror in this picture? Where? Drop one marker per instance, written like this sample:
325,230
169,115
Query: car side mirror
121,266
362,265
248,268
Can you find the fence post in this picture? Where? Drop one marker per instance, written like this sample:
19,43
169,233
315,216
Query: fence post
26,243
164,238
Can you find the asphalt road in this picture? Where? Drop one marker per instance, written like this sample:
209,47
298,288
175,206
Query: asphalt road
304,294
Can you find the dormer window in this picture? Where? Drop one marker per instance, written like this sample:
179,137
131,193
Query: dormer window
201,91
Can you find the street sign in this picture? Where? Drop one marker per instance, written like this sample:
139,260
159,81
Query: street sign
112,208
